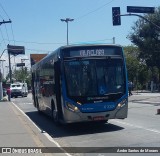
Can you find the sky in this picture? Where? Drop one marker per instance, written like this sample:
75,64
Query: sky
36,24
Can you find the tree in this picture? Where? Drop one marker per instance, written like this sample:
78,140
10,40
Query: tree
22,75
147,38
132,62
137,69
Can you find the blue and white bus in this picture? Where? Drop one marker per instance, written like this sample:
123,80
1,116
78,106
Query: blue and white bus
82,83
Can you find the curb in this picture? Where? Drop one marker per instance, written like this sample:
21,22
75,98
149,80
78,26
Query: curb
4,99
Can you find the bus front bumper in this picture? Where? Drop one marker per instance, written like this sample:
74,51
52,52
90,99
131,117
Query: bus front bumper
71,116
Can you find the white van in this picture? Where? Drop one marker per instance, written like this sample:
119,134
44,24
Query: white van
19,89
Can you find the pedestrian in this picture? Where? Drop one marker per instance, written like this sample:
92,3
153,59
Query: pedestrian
9,94
130,88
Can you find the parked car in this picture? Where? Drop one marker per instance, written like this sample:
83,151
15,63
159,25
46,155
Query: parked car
19,89
4,92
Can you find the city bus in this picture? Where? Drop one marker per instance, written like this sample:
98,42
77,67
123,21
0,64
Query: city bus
82,83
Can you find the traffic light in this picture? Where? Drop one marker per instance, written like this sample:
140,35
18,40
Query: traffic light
116,18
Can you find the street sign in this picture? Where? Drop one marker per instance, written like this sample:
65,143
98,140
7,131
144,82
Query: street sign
138,9
20,64
116,18
15,50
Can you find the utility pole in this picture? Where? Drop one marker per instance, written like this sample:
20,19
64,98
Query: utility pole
67,20
1,87
22,60
2,66
5,22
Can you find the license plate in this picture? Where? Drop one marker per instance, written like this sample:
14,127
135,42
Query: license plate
97,118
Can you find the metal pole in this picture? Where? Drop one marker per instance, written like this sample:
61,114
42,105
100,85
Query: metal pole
67,20
10,71
157,26
23,73
1,88
67,32
2,66
7,69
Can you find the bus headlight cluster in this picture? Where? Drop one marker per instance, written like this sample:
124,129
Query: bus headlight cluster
72,107
122,104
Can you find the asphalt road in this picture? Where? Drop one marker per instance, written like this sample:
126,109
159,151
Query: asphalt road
140,129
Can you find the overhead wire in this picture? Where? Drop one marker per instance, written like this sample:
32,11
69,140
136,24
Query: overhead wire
1,17
82,16
12,34
4,10
33,42
7,33
5,28
3,40
39,50
102,6
5,24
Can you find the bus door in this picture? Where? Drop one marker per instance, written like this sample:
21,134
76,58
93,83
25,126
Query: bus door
58,87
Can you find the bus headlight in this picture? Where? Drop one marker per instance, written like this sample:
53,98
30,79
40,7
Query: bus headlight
122,104
72,107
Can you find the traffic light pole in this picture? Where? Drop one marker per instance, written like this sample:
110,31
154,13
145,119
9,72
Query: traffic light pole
10,71
1,87
142,18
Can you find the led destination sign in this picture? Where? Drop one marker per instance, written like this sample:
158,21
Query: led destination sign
93,52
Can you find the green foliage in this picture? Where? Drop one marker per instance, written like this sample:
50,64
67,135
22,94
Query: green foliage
132,62
137,69
22,75
147,38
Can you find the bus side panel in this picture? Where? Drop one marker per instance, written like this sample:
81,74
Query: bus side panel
58,88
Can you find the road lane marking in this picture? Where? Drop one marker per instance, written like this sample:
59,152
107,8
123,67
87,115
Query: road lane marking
44,133
136,126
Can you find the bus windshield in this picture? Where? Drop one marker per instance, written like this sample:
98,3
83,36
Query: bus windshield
94,77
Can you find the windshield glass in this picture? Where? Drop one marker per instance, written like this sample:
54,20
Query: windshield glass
15,86
94,77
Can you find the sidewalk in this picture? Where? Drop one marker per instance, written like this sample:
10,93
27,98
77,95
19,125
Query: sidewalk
18,131
144,95
12,128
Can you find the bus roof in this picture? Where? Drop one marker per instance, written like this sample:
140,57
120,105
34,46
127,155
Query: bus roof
72,46
88,45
